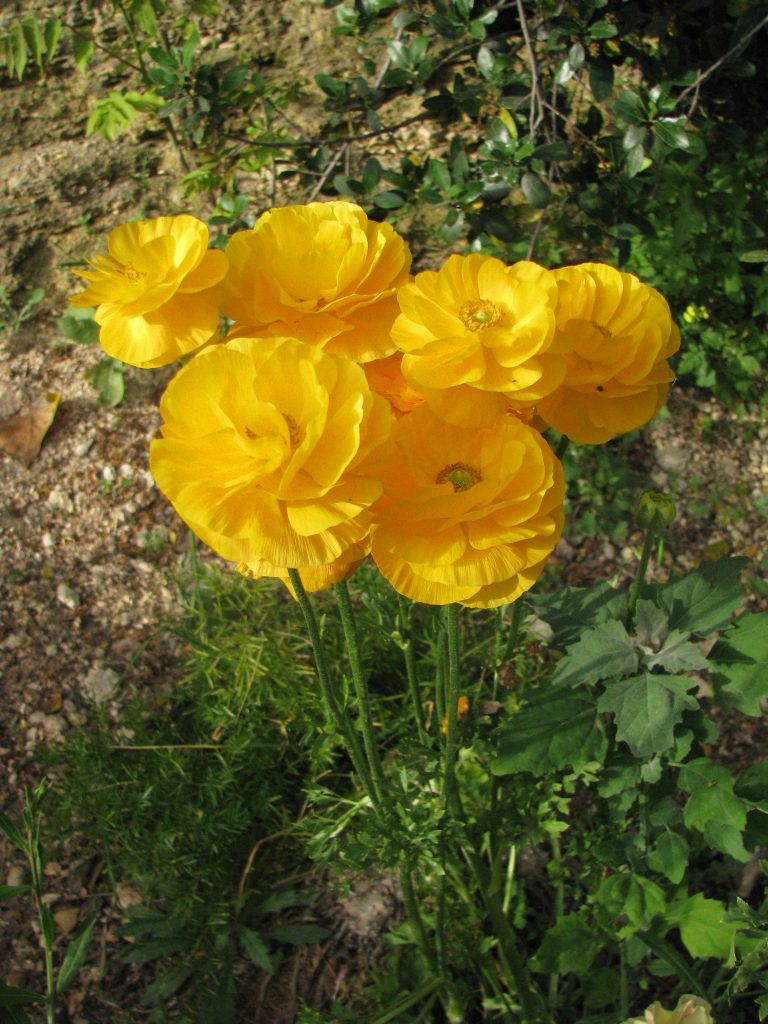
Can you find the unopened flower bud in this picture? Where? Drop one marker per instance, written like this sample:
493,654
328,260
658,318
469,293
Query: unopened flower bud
655,511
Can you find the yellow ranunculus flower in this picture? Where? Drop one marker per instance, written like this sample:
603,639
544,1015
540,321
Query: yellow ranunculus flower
267,451
479,337
620,334
322,272
156,290
467,515
313,577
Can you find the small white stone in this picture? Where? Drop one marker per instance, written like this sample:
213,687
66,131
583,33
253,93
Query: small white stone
84,446
108,473
126,471
65,595
100,685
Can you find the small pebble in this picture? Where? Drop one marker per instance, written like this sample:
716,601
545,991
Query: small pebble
65,595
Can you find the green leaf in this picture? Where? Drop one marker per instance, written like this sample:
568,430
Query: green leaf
83,47
670,856
634,136
8,892
75,955
702,927
651,624
155,948
553,151
256,949
630,897
740,663
10,831
671,132
47,926
388,200
601,79
34,39
11,996
78,325
602,30
713,808
636,161
298,934
570,946
19,49
551,731
705,599
754,256
647,708
333,87
630,108
573,609
107,378
677,654
605,652
164,986
53,29
371,174
438,174
751,785
536,191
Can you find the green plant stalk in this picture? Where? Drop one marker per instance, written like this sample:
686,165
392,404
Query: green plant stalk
361,687
642,567
562,446
337,712
413,999
623,983
32,829
510,959
414,915
405,611
557,857
441,672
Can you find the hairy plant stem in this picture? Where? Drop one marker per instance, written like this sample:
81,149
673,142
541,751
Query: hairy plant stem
562,446
642,567
557,857
361,687
405,618
511,962
337,711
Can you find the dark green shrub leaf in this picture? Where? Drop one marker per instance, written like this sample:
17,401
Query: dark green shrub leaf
75,955
752,785
601,79
605,652
636,161
552,731
553,151
256,949
388,200
536,191
671,132
647,708
713,808
630,108
371,174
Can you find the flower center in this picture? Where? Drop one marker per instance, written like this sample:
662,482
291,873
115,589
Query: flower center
294,431
479,314
459,475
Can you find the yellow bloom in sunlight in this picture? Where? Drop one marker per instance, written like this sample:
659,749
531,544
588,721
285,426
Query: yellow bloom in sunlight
268,452
467,515
155,292
322,272
479,337
620,334
313,577
385,377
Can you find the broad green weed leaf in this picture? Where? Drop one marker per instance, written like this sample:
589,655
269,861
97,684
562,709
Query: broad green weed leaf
752,785
677,654
605,652
552,731
569,947
670,856
702,927
632,898
107,378
647,708
713,808
166,984
740,663
706,598
11,996
572,610
78,325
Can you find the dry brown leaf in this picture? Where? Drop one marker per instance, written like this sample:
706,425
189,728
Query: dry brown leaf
66,919
21,435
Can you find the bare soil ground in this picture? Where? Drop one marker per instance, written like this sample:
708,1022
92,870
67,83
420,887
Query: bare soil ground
89,549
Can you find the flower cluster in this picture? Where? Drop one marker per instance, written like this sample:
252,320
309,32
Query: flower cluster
352,409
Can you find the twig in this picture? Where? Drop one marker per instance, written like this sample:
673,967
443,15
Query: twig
256,847
326,173
721,60
537,100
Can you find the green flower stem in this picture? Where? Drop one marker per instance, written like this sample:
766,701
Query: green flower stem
32,850
637,582
562,446
337,712
449,790
441,673
414,915
361,687
514,629
557,857
405,615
